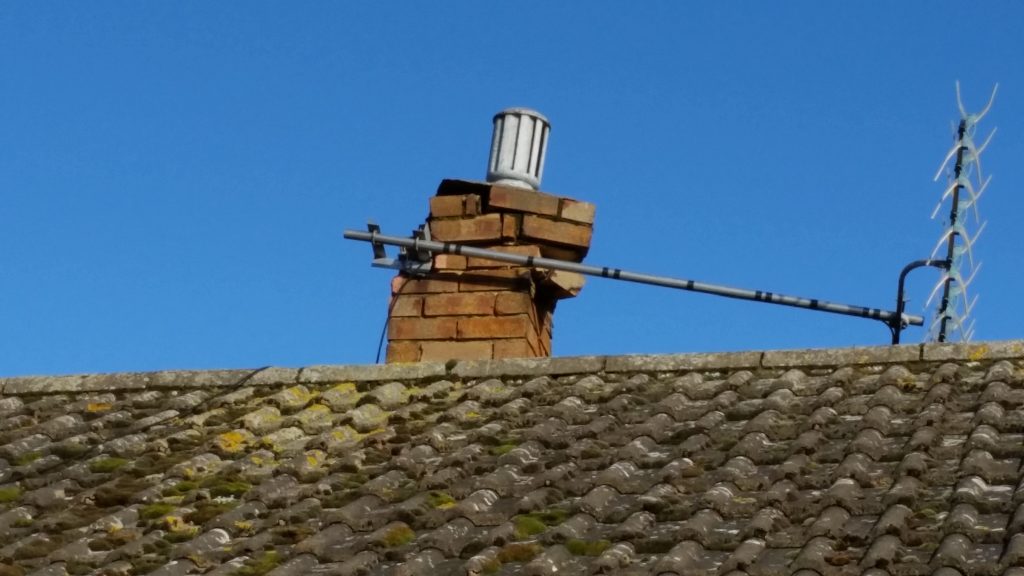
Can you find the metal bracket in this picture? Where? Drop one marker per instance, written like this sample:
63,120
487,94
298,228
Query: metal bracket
898,323
411,260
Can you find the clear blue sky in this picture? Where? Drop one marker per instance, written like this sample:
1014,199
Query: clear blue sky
175,176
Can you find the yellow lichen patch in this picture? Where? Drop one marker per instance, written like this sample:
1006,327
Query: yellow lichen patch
243,526
294,398
346,434
314,419
94,407
345,387
174,523
316,458
234,441
178,529
342,397
978,353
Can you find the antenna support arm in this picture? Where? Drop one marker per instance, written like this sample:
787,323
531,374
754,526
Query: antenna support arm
900,321
418,244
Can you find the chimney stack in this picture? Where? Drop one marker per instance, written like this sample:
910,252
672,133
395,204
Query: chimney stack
472,308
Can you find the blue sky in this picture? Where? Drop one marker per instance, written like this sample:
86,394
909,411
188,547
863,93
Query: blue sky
175,177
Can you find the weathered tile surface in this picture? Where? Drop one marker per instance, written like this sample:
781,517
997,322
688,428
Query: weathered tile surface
838,462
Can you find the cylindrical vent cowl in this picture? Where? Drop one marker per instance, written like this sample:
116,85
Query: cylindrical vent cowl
517,148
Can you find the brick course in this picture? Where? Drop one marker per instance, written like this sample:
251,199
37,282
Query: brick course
421,328
475,327
459,304
456,350
522,200
486,227
558,232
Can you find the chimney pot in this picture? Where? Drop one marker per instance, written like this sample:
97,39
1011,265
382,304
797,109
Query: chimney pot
518,147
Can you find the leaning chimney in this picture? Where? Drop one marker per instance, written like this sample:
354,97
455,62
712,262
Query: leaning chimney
472,308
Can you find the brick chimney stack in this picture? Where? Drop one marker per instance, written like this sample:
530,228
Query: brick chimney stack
471,308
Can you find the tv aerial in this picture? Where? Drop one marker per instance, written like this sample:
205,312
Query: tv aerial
966,184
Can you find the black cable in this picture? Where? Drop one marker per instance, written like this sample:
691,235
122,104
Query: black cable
387,319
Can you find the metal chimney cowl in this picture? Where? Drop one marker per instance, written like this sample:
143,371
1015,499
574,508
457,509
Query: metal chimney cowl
518,147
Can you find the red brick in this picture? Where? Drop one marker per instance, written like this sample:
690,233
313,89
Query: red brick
487,227
459,304
578,211
446,206
449,262
514,348
403,351
471,350
522,250
421,328
513,303
447,283
558,232
490,280
510,226
522,200
495,327
407,306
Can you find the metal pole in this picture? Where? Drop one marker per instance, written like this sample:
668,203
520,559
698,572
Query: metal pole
605,272
953,216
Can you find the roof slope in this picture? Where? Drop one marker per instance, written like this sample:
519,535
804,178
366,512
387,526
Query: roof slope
898,460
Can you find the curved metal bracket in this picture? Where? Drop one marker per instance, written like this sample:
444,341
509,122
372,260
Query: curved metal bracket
899,322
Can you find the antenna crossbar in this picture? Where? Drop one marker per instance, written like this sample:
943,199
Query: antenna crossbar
889,317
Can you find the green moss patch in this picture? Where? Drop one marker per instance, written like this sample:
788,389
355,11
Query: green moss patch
527,526
549,517
36,548
226,486
70,450
106,465
208,510
587,547
440,500
10,494
27,458
156,510
518,552
259,565
118,493
148,563
178,537
502,449
398,535
181,488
